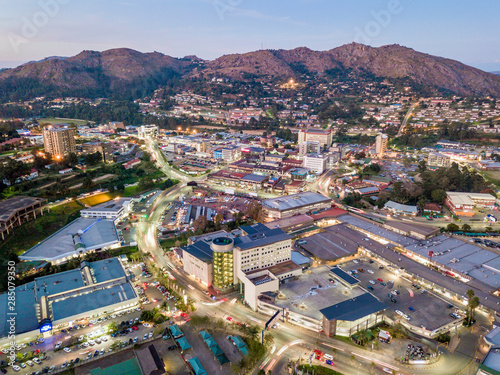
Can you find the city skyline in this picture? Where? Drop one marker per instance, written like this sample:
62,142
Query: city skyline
34,30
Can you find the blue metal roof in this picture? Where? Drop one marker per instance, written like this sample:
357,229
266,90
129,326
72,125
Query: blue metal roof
201,250
354,308
341,274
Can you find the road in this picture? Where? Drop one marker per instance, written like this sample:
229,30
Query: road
289,341
405,120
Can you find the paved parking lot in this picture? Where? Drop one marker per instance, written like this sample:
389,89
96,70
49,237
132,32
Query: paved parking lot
430,312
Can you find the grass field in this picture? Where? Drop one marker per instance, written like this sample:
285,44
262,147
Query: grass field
98,199
493,176
32,232
94,200
59,120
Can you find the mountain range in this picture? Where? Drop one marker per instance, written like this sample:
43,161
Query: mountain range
121,70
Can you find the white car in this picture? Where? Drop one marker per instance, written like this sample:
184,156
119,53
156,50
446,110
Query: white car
113,316
372,282
147,325
369,271
89,355
104,338
85,344
37,361
30,363
92,342
52,368
150,334
23,365
58,345
355,261
399,313
16,368
67,350
394,293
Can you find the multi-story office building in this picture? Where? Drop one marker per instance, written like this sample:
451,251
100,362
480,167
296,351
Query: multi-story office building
381,144
315,162
105,148
114,209
59,140
324,137
438,160
147,131
224,259
309,147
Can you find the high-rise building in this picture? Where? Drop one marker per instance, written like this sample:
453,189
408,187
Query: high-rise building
381,144
59,140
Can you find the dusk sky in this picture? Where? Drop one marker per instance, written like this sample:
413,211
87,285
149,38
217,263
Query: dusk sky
462,30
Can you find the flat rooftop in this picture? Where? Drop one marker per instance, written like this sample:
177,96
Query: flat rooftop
107,269
59,282
461,256
289,202
313,292
299,259
354,308
259,235
416,228
335,242
200,250
279,269
10,206
112,206
91,233
492,359
25,302
377,230
82,303
64,299
291,222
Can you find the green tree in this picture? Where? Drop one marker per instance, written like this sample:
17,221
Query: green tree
472,304
70,160
438,196
466,228
452,227
87,182
422,166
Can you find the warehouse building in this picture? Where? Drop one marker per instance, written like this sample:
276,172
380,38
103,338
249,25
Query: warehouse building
77,238
60,300
288,206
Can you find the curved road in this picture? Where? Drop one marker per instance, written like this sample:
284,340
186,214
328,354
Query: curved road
286,334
